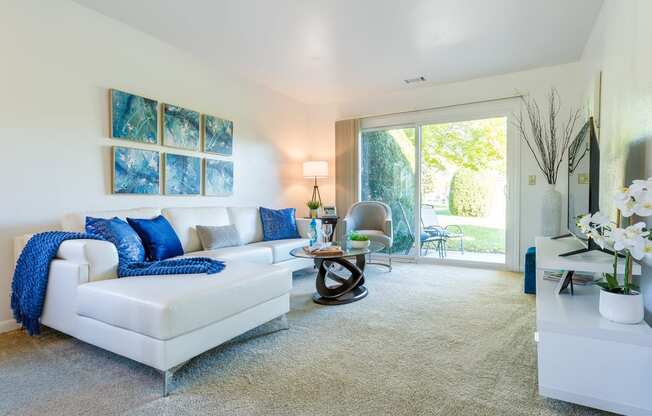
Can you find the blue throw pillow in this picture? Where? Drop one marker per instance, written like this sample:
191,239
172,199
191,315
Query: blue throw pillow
278,224
130,247
159,238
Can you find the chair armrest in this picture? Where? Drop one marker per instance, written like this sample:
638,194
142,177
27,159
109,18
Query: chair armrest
435,230
388,228
303,226
348,225
101,257
455,226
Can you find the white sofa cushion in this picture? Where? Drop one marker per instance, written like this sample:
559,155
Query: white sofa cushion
247,221
184,221
77,221
100,256
250,252
281,248
164,307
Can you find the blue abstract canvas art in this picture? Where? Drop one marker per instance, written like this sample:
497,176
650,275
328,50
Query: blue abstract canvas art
135,171
133,117
218,177
182,175
180,127
218,135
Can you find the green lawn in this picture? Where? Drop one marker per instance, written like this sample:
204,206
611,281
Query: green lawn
480,240
442,210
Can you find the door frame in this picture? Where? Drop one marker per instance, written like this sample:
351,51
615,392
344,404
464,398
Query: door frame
475,111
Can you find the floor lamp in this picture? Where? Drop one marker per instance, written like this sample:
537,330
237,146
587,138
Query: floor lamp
315,169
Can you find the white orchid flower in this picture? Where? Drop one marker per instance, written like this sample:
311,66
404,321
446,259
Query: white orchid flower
639,186
625,202
643,206
600,220
636,230
627,208
598,238
646,249
628,238
636,250
585,223
618,236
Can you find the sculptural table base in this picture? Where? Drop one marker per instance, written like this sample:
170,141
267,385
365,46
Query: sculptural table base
346,289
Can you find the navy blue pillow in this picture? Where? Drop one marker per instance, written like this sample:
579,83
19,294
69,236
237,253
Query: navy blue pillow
130,247
278,224
159,238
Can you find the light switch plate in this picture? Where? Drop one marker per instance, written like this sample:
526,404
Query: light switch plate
583,178
532,180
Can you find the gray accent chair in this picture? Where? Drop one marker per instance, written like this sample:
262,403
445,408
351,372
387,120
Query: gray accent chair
373,219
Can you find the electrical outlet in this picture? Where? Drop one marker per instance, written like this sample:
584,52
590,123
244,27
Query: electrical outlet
532,180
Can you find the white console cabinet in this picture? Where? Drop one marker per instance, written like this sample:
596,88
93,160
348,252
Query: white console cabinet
582,357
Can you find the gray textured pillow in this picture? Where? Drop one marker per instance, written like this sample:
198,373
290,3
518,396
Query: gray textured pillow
213,237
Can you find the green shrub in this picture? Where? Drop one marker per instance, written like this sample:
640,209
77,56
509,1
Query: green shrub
469,194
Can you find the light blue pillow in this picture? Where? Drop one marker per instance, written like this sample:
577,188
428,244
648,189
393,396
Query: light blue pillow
278,224
130,247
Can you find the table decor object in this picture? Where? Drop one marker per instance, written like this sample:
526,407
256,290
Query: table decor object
620,299
548,140
359,240
315,169
313,206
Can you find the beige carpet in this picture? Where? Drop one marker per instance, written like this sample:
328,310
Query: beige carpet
428,340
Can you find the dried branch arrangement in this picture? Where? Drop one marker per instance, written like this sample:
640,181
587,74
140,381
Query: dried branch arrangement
547,138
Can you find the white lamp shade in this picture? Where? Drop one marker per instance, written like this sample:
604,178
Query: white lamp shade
315,169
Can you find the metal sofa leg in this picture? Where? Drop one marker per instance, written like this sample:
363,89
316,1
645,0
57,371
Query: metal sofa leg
279,323
167,377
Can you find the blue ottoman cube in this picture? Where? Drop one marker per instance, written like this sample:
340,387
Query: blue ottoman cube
530,285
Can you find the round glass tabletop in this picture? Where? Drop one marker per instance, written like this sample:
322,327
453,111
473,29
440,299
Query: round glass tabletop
346,252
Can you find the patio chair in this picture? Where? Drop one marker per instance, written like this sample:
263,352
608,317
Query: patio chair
430,222
430,239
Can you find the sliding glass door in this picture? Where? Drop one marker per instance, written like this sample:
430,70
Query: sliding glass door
446,179
463,190
387,174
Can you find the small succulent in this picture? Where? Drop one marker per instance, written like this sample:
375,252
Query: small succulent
313,204
358,237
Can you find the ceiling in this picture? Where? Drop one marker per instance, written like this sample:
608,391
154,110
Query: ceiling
321,51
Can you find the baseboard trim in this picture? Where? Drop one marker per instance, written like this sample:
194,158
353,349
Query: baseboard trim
8,325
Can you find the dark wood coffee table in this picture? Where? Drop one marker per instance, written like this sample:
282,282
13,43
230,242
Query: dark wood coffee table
347,278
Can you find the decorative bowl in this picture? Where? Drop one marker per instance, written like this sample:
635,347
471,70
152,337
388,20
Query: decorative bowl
360,244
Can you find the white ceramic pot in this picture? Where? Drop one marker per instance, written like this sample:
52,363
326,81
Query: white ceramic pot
359,244
551,211
624,309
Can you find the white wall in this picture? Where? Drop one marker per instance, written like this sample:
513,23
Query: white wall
58,61
570,81
620,45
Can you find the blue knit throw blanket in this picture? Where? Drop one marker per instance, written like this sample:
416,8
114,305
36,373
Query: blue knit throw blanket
33,267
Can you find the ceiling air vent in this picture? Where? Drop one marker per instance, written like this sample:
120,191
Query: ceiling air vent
414,80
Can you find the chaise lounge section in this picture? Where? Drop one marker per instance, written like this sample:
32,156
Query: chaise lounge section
163,321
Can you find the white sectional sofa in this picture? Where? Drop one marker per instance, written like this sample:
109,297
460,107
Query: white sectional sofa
163,321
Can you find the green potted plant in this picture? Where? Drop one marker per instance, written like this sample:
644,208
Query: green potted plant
314,208
620,300
359,240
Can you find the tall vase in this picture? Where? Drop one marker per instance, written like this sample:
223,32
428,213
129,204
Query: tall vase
551,211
